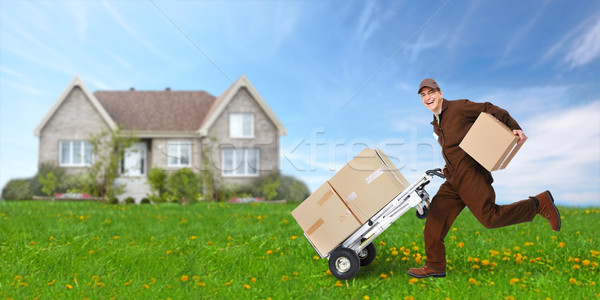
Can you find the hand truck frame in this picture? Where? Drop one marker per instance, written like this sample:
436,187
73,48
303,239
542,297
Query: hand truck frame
358,249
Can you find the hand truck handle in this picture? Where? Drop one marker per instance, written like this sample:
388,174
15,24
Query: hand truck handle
437,172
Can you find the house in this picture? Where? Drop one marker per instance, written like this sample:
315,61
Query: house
236,131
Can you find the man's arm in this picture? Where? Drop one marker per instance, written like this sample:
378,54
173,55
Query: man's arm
472,110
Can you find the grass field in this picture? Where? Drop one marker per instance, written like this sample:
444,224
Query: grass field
215,250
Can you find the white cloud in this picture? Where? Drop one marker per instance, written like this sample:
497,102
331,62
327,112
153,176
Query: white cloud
366,23
586,47
561,155
130,29
582,44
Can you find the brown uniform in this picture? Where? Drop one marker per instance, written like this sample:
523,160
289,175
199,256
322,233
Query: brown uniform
467,183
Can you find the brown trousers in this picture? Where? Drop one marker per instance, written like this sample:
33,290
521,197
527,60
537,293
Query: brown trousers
470,186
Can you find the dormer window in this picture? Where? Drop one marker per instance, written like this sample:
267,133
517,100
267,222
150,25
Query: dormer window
241,125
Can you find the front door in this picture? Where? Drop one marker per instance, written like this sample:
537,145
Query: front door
134,160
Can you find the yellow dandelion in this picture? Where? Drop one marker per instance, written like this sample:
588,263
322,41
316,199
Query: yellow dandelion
514,280
412,281
366,297
472,280
128,283
394,252
269,252
409,297
509,298
116,237
184,278
381,243
168,252
383,275
561,244
52,282
193,237
572,281
485,262
100,284
328,272
246,286
69,287
585,262
491,283
461,244
316,257
285,278
32,243
209,243
293,237
229,282
338,283
201,284
475,267
253,279
576,267
146,286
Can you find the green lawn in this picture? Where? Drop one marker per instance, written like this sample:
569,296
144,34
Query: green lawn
215,250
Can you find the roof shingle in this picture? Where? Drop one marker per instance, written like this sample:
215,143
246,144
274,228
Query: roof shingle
157,110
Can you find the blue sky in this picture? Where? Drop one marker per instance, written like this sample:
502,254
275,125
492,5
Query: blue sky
341,75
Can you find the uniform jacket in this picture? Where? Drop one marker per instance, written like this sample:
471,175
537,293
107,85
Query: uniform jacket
456,119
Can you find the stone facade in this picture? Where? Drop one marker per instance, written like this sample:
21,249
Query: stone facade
75,119
265,138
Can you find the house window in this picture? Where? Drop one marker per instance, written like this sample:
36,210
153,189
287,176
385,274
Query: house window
179,153
76,153
241,125
240,162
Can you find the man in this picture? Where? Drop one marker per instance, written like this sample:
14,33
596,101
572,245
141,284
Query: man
468,183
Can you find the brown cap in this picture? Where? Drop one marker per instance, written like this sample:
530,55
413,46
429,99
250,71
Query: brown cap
428,82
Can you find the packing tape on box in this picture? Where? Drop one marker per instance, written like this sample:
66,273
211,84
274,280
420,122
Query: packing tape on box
351,197
325,198
374,175
343,217
315,226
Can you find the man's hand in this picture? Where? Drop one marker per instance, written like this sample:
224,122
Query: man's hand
522,136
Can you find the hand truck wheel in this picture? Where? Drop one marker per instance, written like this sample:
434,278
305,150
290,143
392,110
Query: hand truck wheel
344,263
424,214
367,255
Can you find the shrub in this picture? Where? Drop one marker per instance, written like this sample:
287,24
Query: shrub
157,179
49,183
17,189
184,186
266,186
292,189
145,201
235,191
113,200
129,200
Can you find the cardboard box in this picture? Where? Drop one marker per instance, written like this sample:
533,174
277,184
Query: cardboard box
490,142
368,183
325,219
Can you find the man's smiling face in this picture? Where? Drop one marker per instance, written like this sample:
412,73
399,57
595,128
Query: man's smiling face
432,99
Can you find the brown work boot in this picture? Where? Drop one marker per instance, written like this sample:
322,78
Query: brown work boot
424,272
548,210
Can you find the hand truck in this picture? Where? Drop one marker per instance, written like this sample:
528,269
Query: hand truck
358,249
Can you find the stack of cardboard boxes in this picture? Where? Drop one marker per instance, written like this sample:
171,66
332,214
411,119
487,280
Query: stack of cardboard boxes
349,199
